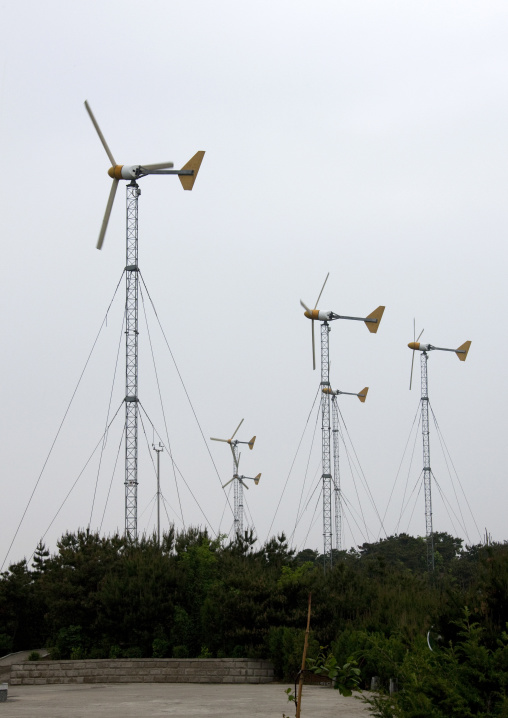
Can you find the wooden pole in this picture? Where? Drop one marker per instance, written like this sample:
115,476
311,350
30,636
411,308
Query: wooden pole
304,658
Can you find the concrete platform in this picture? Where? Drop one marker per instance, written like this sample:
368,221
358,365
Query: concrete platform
141,700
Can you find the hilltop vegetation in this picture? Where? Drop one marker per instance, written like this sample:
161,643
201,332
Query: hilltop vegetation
102,597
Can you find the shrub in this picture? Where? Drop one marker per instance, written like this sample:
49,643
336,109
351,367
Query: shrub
285,649
133,652
160,648
180,652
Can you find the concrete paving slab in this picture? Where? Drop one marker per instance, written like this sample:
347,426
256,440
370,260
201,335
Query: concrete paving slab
177,700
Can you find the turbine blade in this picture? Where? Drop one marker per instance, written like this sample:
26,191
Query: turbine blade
313,348
228,482
212,438
107,213
304,306
243,484
419,335
321,292
239,425
411,377
101,136
235,461
158,166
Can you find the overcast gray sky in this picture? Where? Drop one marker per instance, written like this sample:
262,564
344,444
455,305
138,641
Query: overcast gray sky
365,139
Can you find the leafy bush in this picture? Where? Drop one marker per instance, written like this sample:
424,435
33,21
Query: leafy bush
115,652
68,640
133,652
34,656
345,678
462,680
285,649
160,648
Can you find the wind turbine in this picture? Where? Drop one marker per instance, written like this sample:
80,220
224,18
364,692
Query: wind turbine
362,395
131,173
372,322
462,353
239,484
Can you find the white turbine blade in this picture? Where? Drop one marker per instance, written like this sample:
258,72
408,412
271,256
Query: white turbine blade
159,166
228,482
212,438
321,292
101,136
235,461
107,213
239,425
411,377
304,306
313,348
419,335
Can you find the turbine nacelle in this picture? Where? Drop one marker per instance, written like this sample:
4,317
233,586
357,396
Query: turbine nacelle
362,395
417,346
319,315
461,351
131,172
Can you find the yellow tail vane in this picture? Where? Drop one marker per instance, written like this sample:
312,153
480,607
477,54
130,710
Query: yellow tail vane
463,350
251,443
376,314
256,480
193,164
362,395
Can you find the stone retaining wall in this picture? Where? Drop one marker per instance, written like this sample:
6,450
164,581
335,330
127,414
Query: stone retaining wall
143,670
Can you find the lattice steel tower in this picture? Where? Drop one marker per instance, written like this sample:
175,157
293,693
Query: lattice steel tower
187,176
461,352
131,363
427,474
372,322
326,475
337,490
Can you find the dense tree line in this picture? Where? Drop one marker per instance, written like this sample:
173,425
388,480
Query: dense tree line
194,595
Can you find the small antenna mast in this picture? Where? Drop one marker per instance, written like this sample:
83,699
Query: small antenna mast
158,450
